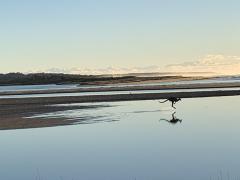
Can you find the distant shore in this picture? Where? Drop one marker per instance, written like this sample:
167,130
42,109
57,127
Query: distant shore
54,78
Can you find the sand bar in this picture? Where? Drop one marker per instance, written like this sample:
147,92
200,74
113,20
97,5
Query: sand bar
114,97
126,88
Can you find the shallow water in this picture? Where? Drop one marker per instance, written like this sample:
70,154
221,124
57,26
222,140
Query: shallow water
131,142
36,87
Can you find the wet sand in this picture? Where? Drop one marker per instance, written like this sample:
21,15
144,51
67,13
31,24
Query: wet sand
22,117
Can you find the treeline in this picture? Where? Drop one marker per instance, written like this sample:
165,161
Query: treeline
51,78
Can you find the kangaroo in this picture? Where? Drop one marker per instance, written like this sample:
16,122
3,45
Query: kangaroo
173,100
174,120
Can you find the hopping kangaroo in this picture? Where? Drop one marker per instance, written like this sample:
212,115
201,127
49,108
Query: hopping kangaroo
173,100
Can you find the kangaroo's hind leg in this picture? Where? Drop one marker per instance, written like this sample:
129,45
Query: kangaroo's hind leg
173,105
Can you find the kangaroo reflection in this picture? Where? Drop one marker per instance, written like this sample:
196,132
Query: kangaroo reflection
174,120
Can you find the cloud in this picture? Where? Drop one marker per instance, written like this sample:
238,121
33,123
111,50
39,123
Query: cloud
108,70
213,64
218,64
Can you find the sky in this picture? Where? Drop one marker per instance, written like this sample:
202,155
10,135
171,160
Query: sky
68,34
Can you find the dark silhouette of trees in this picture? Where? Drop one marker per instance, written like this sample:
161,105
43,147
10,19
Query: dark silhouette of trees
51,78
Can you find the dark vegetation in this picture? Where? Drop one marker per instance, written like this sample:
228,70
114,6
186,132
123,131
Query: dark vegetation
53,78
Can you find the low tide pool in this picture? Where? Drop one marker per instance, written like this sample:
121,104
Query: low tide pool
130,140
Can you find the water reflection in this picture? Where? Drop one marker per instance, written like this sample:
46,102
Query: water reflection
136,147
174,120
81,114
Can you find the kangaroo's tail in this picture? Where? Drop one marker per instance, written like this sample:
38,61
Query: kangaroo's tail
163,101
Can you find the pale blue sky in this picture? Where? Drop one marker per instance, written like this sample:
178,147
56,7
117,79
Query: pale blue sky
92,33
